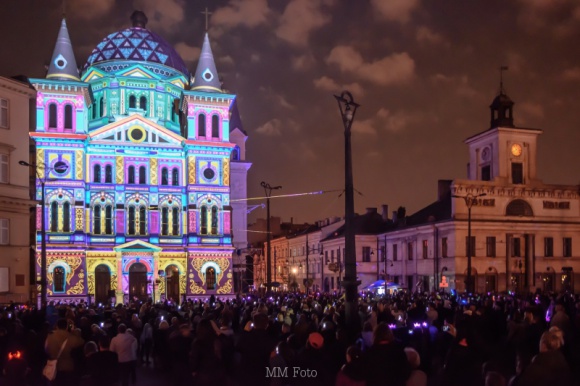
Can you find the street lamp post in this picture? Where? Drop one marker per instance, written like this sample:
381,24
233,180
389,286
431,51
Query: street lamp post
268,191
61,169
308,250
348,108
470,199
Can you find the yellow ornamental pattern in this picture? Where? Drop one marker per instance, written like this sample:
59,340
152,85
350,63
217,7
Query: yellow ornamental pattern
79,164
39,157
119,166
191,170
153,171
226,163
79,219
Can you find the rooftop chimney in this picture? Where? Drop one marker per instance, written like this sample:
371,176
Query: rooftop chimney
385,212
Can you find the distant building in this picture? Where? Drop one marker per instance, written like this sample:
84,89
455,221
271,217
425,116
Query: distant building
16,120
525,235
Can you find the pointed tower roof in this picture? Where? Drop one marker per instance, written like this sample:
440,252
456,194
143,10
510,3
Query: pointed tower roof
63,65
206,76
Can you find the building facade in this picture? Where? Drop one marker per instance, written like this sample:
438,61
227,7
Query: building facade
525,234
139,161
16,120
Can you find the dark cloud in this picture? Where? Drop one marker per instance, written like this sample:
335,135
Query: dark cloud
424,73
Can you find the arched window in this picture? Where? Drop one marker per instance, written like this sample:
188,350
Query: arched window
164,221
203,220
109,174
164,176
58,279
132,102
142,221
68,117
101,107
214,220
97,220
93,111
142,176
97,173
175,222
215,126
519,208
109,219
175,177
52,115
131,174
131,220
143,103
66,217
235,154
54,217
210,278
201,125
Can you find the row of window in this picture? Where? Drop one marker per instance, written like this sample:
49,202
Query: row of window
53,116
103,220
98,177
516,247
201,126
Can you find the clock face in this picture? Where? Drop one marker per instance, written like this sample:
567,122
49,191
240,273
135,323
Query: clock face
485,154
516,149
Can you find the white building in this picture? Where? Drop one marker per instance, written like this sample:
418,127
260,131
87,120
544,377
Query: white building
16,121
525,234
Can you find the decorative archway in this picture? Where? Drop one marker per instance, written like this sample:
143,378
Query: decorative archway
519,208
491,279
172,283
548,280
474,278
138,282
102,283
210,278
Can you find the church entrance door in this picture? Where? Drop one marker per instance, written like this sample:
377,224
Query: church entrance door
138,282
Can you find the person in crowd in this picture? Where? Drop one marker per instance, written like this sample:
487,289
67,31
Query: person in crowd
417,377
385,361
62,341
146,343
255,345
125,346
102,366
352,373
549,367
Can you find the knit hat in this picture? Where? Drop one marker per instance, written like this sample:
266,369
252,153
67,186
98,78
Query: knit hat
315,340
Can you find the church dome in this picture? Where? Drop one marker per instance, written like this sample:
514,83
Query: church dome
136,44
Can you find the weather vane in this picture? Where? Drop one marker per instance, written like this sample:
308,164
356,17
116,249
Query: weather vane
206,13
501,70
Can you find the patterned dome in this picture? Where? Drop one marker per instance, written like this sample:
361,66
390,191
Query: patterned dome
136,44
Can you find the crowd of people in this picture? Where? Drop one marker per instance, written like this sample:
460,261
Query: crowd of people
400,339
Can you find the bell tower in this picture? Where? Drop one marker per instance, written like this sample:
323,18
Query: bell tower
503,153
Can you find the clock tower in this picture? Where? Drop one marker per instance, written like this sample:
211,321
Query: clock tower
503,153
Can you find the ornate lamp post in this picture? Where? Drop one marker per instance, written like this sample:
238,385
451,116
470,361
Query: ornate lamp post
268,191
470,199
60,168
348,108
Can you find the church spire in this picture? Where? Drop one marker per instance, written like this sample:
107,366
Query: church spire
206,76
63,65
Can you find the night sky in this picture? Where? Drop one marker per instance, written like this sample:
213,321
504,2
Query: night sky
423,71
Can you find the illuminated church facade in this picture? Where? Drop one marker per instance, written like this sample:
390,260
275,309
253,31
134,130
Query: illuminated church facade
136,158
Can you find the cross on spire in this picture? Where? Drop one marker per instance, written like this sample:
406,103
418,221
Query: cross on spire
206,13
501,70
